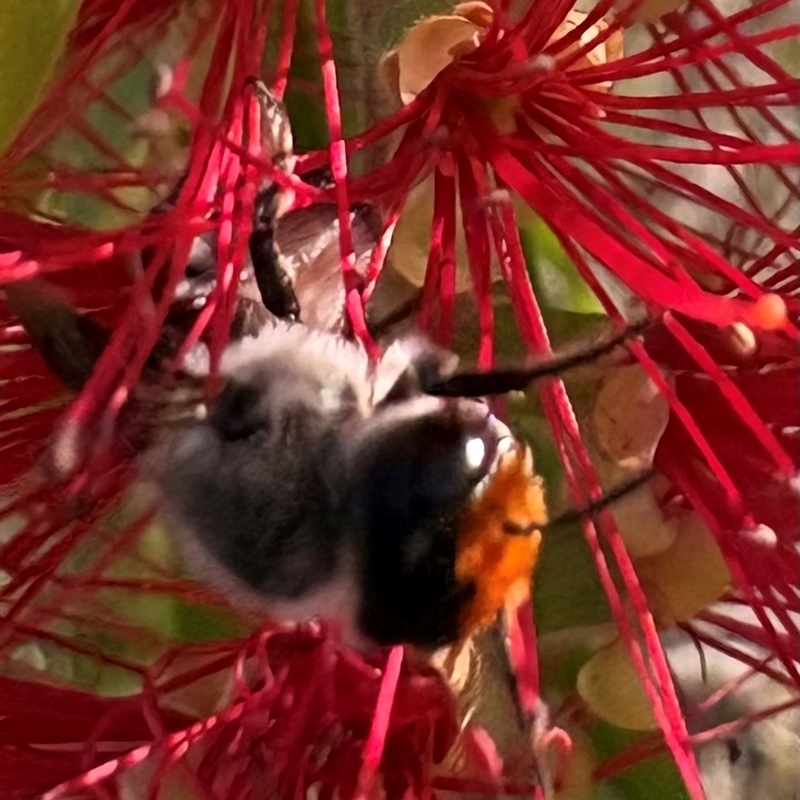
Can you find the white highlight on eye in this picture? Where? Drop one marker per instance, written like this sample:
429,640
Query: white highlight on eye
474,452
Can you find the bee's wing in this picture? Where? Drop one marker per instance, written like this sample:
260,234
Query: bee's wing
308,252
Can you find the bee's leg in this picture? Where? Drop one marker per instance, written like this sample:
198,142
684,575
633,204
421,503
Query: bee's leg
274,283
543,739
69,341
500,632
592,508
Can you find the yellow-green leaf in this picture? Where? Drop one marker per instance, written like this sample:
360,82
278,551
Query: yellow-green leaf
610,685
32,39
555,278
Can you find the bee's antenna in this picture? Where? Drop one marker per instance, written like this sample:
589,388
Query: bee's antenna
517,379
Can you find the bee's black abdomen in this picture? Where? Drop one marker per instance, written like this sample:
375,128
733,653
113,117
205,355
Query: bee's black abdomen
259,497
258,484
235,413
410,593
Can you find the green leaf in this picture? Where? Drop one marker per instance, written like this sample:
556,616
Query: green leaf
566,588
204,624
133,92
556,280
32,39
401,16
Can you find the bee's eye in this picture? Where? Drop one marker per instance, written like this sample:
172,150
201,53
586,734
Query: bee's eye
237,412
432,464
474,453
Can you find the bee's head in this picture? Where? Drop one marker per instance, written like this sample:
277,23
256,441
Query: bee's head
444,504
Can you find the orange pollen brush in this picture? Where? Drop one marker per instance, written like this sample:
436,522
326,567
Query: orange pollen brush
498,543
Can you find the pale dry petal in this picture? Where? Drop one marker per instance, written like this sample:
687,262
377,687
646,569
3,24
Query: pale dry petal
688,576
611,687
389,70
605,52
408,252
478,13
642,525
429,47
577,779
629,417
433,44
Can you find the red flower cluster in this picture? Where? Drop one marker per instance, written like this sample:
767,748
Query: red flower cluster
285,713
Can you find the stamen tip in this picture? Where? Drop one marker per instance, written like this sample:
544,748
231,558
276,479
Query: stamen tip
769,313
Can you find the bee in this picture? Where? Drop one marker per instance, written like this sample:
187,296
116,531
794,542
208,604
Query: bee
385,496
326,486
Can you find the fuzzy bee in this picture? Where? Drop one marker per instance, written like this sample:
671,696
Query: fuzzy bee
322,485
384,496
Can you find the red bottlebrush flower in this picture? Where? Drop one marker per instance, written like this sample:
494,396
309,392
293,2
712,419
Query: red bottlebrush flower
543,112
292,717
